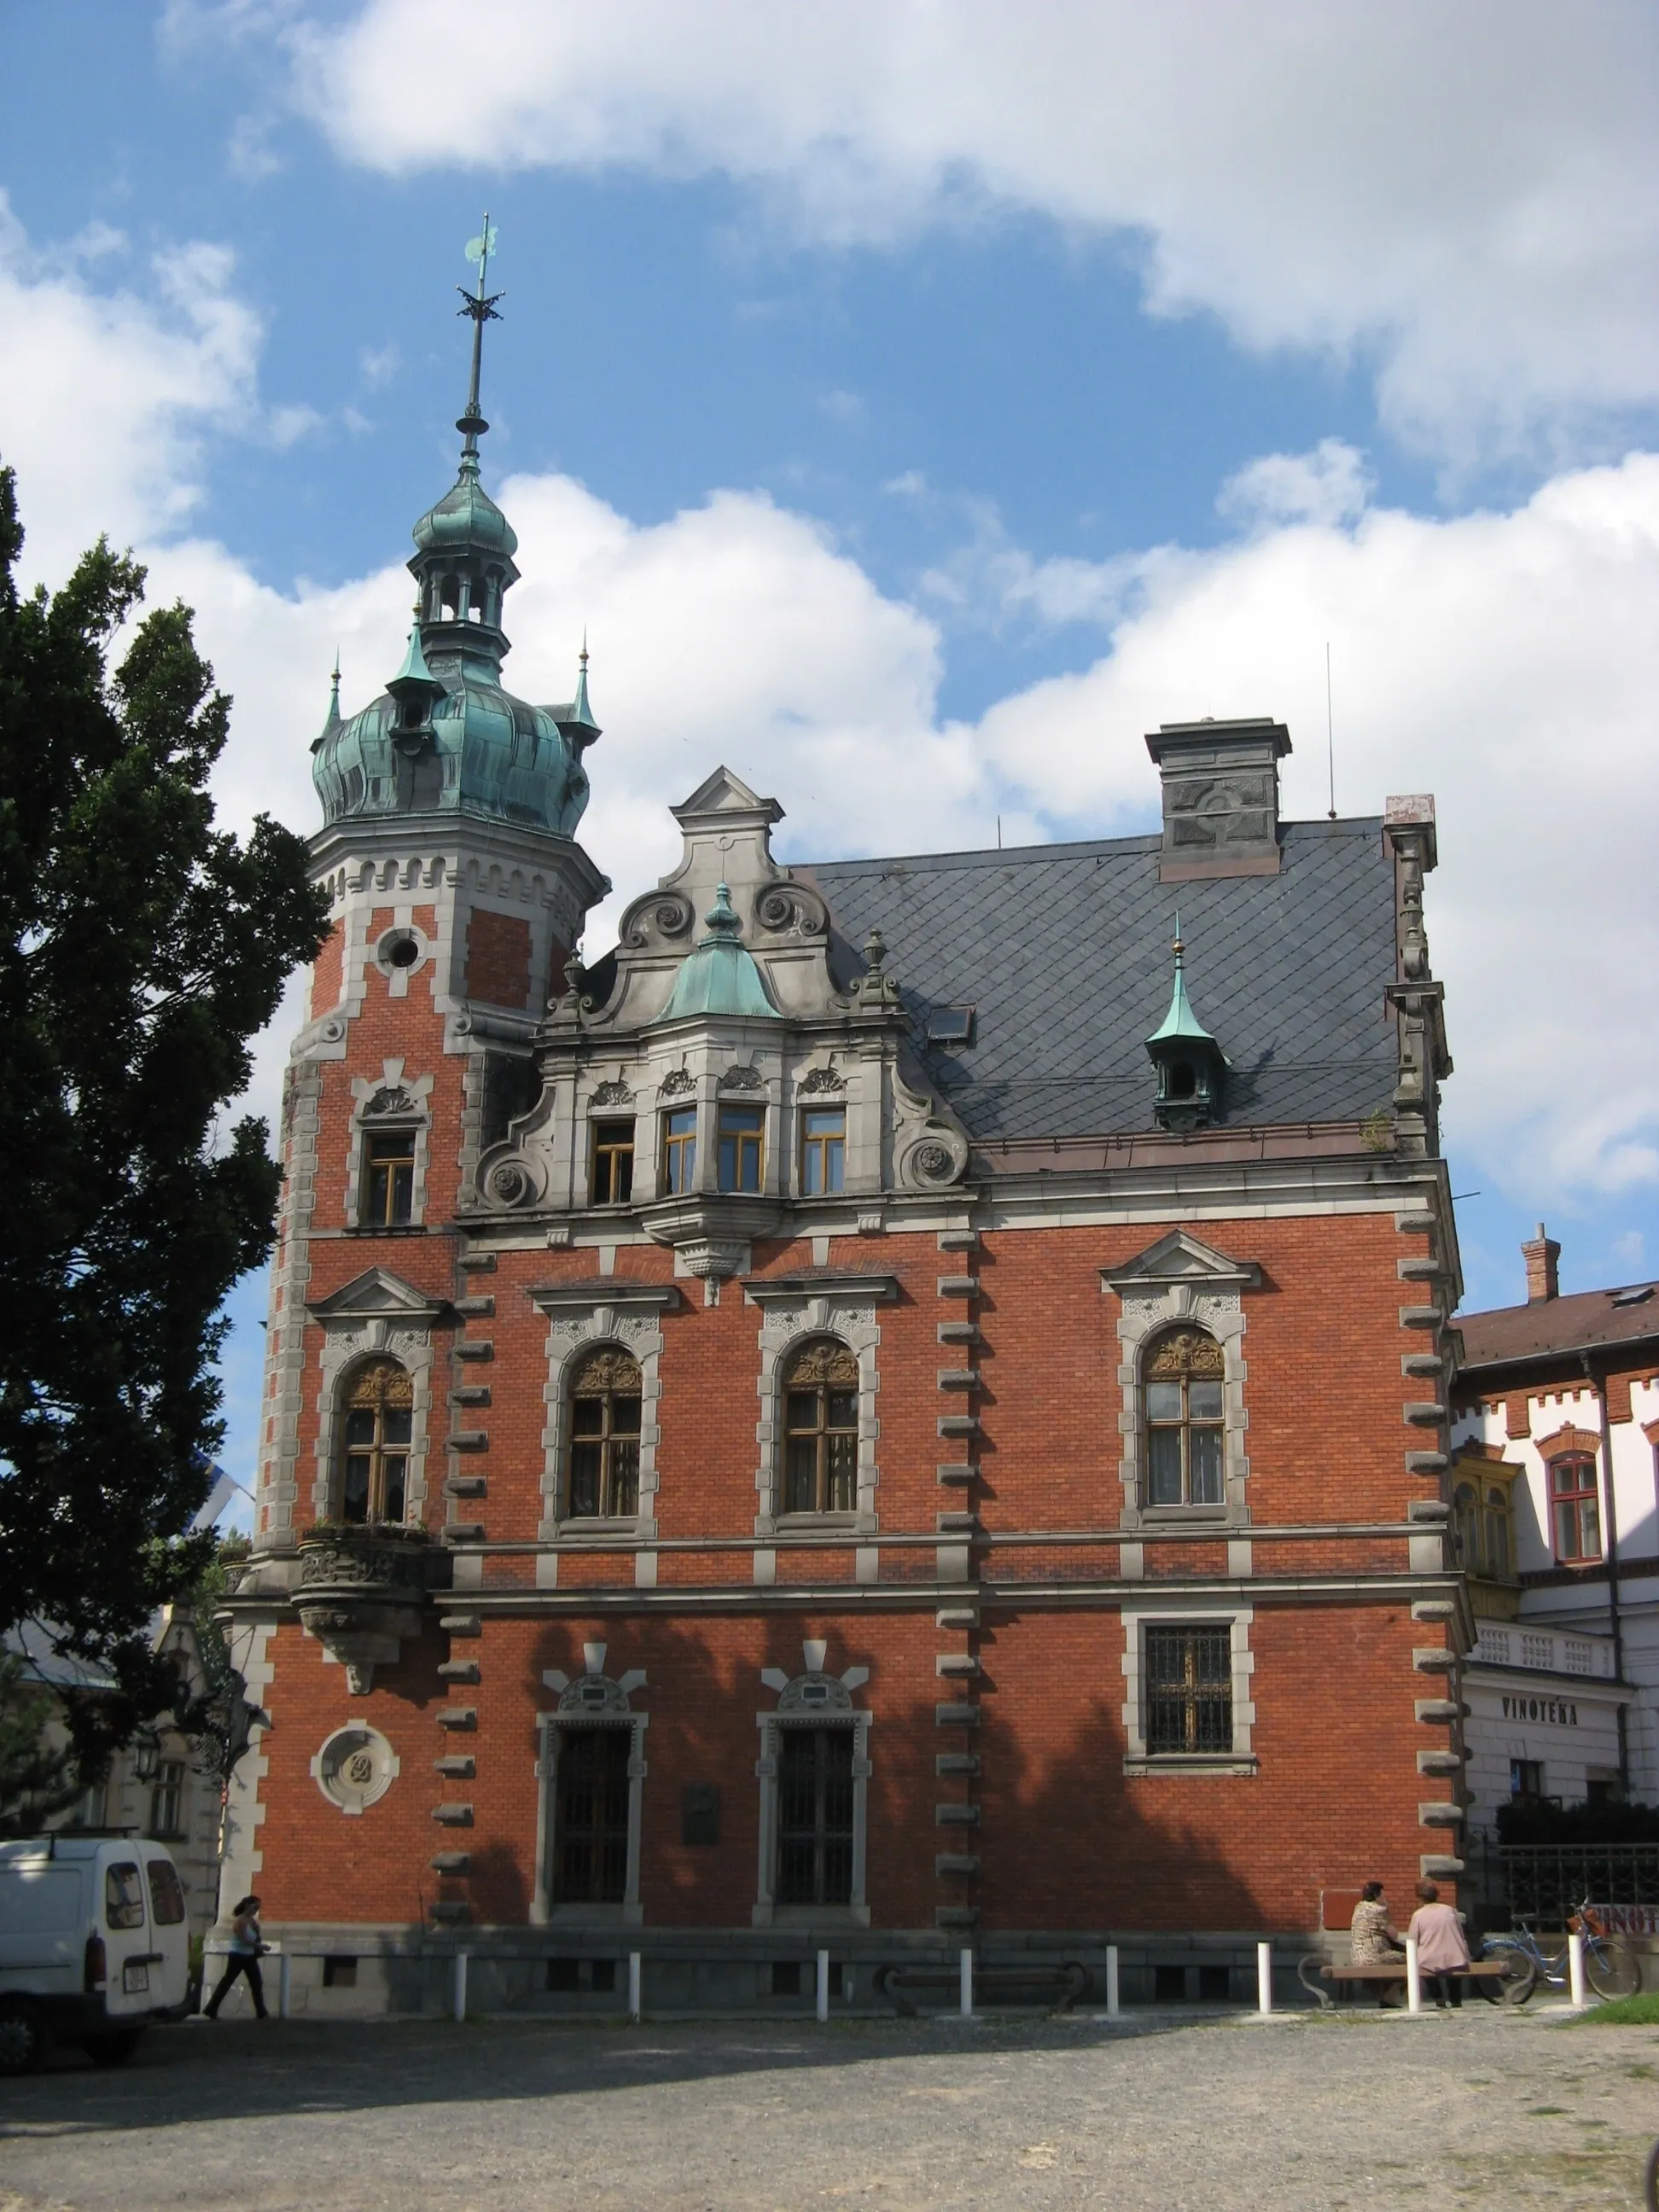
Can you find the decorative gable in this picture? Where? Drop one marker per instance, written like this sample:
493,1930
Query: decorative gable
378,1296
1180,1260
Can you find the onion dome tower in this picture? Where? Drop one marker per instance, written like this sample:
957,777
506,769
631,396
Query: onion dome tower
456,891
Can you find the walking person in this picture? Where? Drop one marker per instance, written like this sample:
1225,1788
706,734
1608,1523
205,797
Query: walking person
1443,1949
1372,1941
246,1946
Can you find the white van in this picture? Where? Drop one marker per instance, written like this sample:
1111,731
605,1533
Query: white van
94,1946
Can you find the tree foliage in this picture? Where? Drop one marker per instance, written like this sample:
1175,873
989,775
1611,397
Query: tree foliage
141,950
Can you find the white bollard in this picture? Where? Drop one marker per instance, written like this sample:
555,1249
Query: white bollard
1576,1970
1414,1977
461,1958
824,1985
1264,1977
967,1980
1111,1981
633,1980
284,1987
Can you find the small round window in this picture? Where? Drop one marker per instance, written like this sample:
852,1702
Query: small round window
400,948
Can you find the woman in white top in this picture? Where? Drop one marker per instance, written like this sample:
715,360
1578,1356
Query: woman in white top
246,1946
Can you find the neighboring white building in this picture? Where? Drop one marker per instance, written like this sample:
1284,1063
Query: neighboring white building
155,1786
1555,1486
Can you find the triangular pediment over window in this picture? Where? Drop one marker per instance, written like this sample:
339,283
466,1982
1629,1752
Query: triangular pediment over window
377,1296
1180,1258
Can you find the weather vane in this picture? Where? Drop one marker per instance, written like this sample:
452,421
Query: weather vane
481,306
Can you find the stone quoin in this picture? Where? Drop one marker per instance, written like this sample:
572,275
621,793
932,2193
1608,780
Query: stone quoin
904,1405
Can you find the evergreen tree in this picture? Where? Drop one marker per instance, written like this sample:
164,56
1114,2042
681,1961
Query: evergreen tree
141,950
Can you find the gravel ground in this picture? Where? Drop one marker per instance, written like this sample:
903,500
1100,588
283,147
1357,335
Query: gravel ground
1166,2111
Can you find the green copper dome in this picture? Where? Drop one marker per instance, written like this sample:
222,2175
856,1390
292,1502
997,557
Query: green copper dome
720,977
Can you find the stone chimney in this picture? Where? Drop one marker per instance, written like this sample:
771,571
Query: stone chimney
1220,796
1542,1255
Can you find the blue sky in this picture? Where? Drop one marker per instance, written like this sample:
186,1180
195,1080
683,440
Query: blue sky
917,405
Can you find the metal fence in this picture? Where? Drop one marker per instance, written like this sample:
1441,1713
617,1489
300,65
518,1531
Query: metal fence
1545,1881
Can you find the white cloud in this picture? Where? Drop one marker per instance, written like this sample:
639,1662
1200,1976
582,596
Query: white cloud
1470,196
104,394
1330,485
1507,662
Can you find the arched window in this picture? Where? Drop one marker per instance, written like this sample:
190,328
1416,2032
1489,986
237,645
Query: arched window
1500,1550
821,1429
1465,1517
605,1398
1184,1374
379,1410
1577,1510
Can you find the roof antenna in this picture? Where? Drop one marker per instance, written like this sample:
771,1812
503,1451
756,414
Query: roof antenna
999,833
1330,732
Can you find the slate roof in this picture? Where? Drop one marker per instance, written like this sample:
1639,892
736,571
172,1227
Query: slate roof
1546,1328
1063,951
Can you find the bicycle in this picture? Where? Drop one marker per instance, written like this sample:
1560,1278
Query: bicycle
1610,1965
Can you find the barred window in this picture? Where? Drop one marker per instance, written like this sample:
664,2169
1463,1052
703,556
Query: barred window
815,1816
606,1400
821,1429
593,1816
379,1411
1184,1374
1189,1689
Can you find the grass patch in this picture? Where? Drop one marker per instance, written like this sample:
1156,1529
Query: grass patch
1639,2011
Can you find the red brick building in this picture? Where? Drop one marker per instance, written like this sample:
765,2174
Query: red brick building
866,1418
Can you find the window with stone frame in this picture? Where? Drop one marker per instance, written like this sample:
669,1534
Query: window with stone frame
821,1428
679,1150
823,1150
166,1800
591,1815
602,1479
388,1179
1575,1509
613,1162
815,1815
379,1412
1188,1689
1183,1381
741,1131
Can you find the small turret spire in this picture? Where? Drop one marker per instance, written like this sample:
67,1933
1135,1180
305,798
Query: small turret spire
480,306
334,698
579,710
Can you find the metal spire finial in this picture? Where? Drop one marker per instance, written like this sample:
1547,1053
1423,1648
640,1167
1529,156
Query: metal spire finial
481,306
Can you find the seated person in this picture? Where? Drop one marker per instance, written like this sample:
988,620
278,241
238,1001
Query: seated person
1443,1949
1373,1942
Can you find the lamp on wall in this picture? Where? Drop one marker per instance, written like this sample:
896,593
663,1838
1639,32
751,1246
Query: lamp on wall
146,1755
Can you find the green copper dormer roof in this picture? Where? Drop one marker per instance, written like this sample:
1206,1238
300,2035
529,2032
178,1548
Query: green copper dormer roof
720,977
1181,1021
415,669
466,519
1191,1066
335,718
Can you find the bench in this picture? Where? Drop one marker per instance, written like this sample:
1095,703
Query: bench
1315,1970
1061,1986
